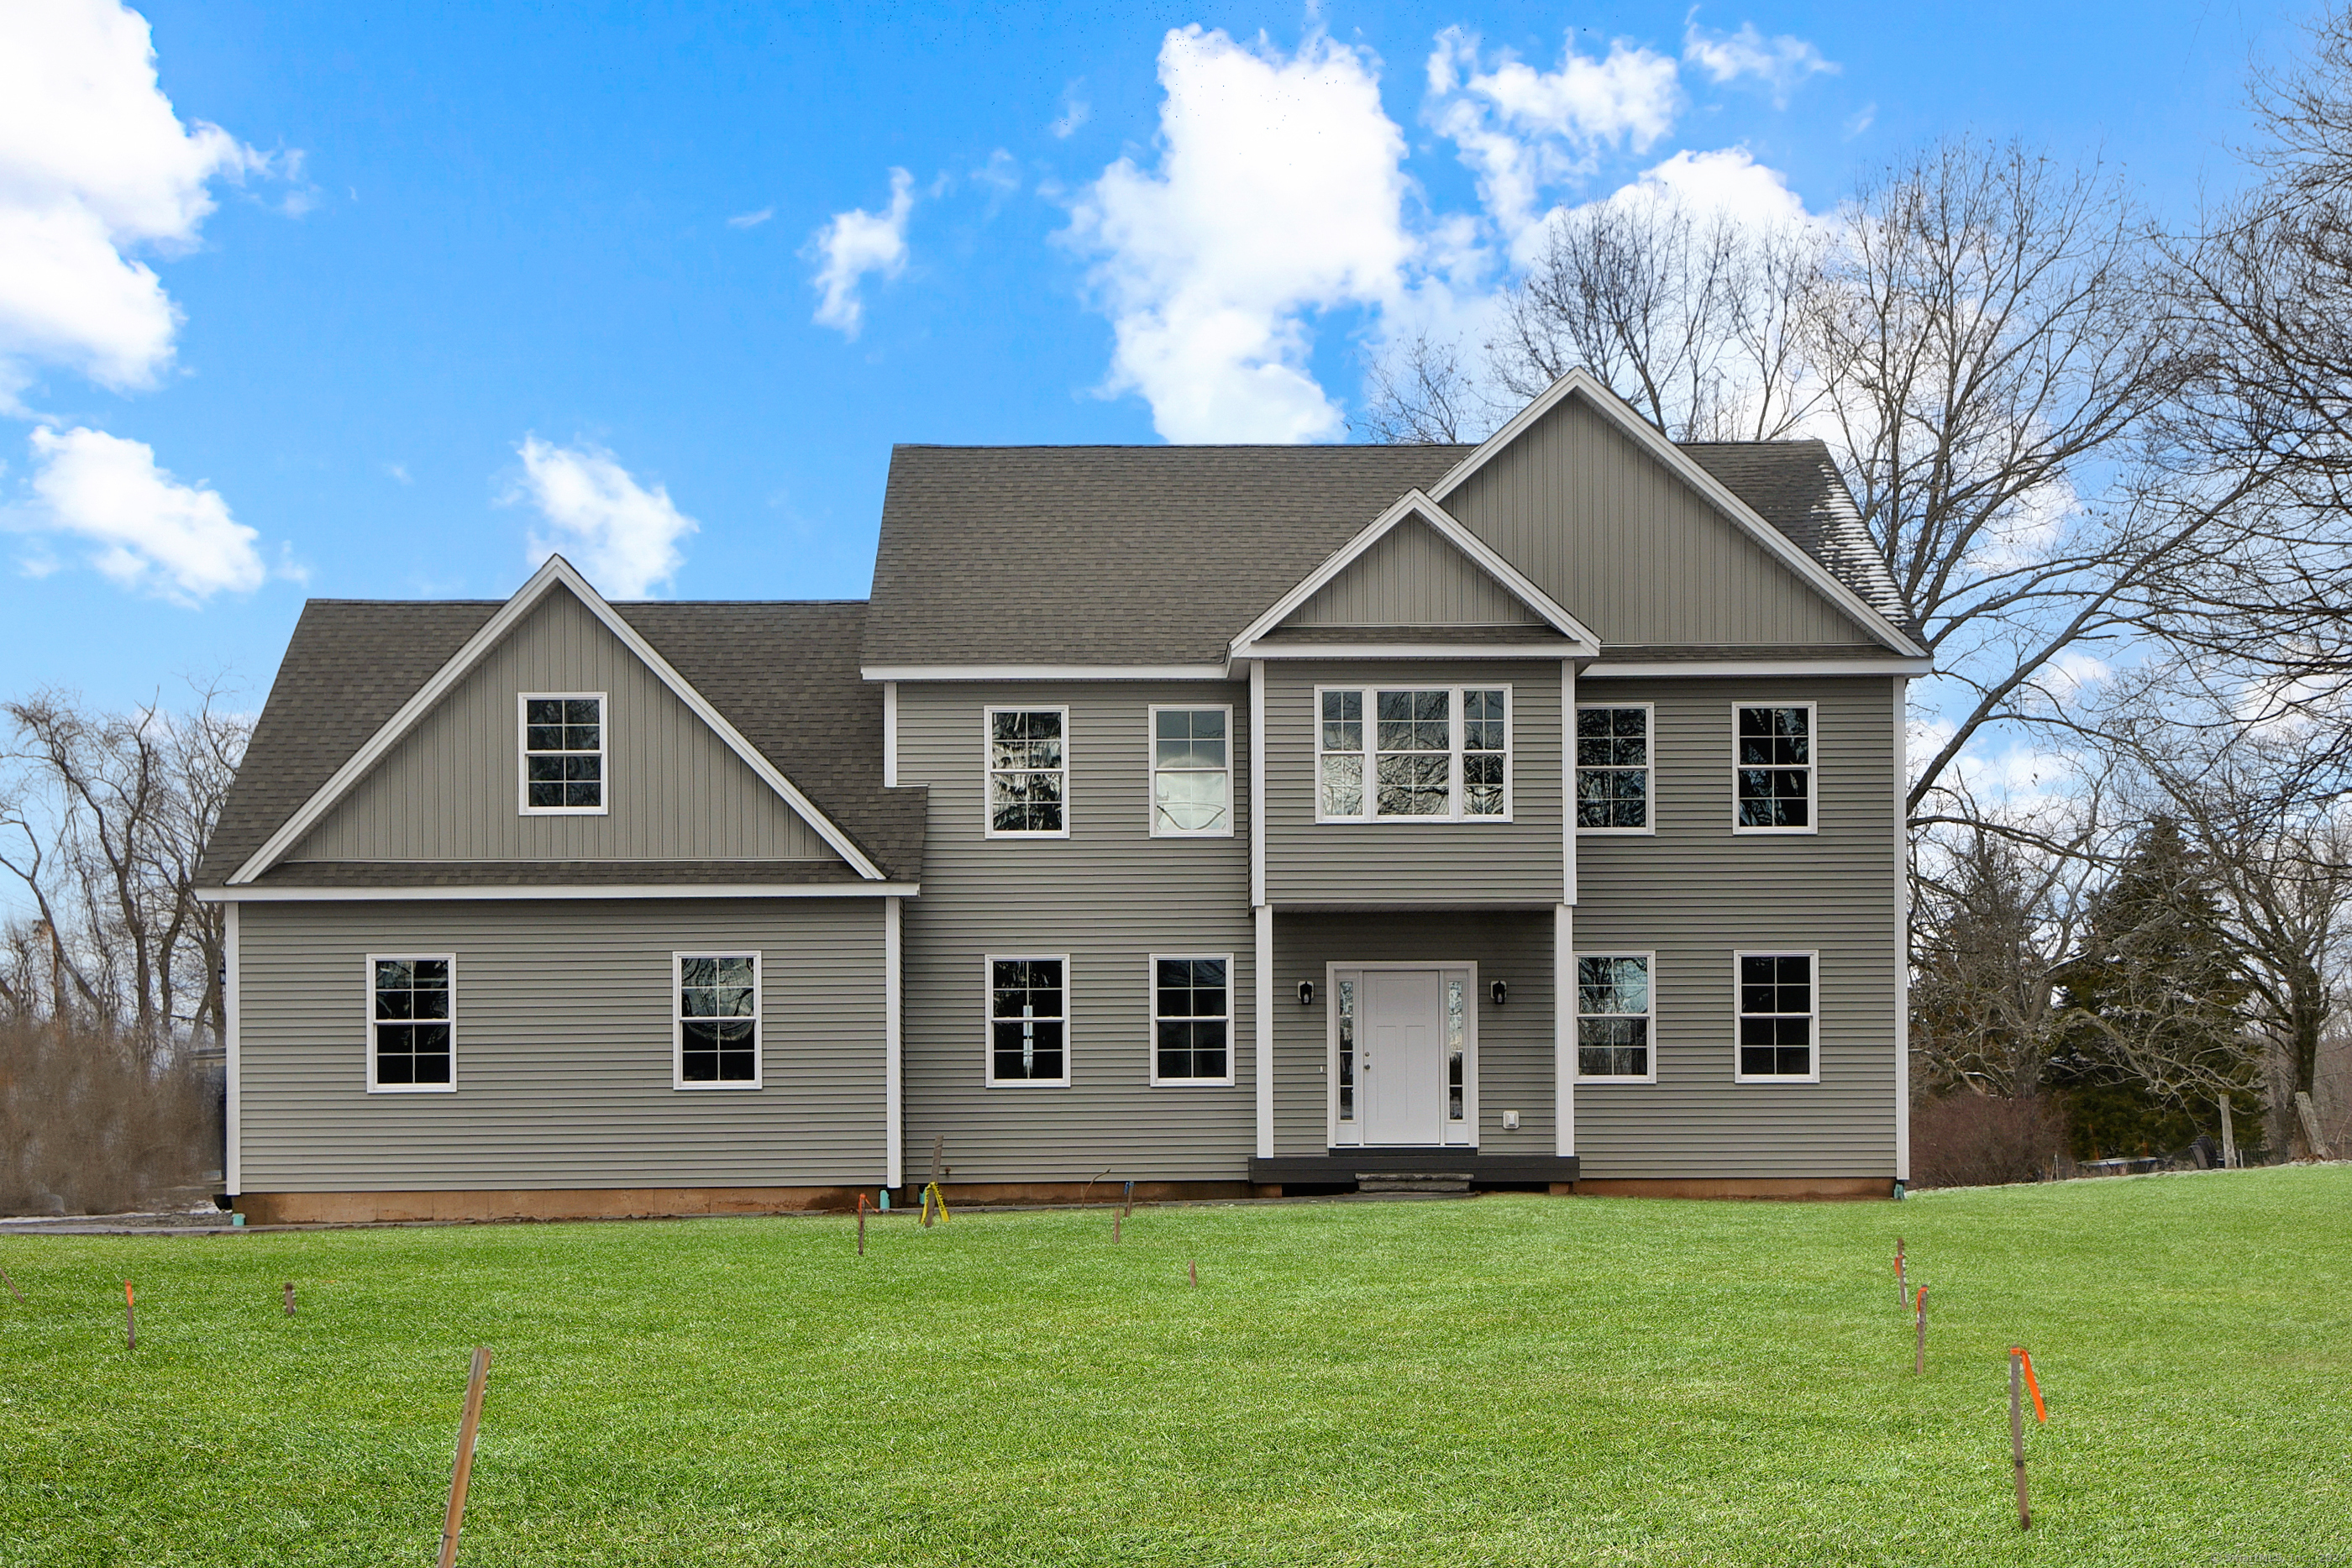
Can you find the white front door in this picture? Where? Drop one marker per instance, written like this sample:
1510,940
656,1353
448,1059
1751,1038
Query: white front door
1402,1070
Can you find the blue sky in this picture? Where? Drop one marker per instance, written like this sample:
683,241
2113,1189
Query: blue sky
451,283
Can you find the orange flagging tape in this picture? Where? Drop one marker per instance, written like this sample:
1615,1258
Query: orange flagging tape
2039,1413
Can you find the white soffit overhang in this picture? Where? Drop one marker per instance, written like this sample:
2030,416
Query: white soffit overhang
1581,384
1580,641
556,572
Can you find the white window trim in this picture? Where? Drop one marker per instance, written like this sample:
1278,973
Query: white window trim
368,1013
1472,1006
1650,800
1577,1015
1812,954
603,755
1151,978
988,962
1152,770
987,740
759,1079
1812,771
1371,692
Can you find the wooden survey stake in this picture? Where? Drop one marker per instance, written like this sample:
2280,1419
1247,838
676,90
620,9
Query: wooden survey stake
129,1318
289,1297
1902,1277
2017,1436
468,1425
1919,1314
11,1284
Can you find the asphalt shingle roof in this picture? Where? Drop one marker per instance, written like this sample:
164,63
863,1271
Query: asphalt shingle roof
785,675
1158,555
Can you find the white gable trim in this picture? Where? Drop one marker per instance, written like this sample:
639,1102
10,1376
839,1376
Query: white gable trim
1417,503
527,598
1685,467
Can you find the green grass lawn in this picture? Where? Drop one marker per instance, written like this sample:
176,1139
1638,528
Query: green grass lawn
1511,1380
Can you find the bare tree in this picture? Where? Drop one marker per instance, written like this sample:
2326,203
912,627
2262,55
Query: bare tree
1418,394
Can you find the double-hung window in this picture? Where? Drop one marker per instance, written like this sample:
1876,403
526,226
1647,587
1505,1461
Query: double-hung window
1191,772
1612,768
1028,1020
411,1023
1028,773
1779,1015
717,1024
562,753
1772,769
1613,1010
1433,753
1192,1019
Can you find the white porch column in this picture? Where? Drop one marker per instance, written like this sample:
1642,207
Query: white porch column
894,1132
1264,1031
232,1013
1563,929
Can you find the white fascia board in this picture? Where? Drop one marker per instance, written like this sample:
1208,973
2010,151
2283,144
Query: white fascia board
1418,503
478,647
1647,436
1778,669
1354,651
1044,671
275,895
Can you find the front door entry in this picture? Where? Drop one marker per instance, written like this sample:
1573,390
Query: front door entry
1403,1073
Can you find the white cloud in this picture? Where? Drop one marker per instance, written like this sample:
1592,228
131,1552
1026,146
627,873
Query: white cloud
751,220
624,537
1782,63
1279,190
1520,128
154,532
94,163
855,243
1075,111
1727,183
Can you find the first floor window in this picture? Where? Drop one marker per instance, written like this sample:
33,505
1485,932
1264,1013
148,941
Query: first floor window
411,1043
1773,776
563,753
1028,1014
718,1020
1347,1012
1028,771
1456,1035
1612,768
1192,1019
1777,1015
1612,1016
1191,772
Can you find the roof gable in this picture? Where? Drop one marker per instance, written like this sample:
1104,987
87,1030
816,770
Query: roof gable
1413,576
556,576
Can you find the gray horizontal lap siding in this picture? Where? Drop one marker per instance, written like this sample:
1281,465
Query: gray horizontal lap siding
1631,548
564,1062
1515,1040
1404,862
1109,895
1696,892
450,788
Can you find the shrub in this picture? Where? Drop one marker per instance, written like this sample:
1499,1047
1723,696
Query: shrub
1979,1140
84,1121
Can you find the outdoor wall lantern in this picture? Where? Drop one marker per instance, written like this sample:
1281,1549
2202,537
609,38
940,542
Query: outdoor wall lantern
1500,991
1306,993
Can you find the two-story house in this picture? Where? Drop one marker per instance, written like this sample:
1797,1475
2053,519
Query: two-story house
1227,820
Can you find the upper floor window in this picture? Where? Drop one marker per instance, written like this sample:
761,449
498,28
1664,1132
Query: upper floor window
412,1040
1778,1012
1028,1013
1772,769
1612,769
1440,753
717,1020
1028,772
1192,1020
563,752
1191,772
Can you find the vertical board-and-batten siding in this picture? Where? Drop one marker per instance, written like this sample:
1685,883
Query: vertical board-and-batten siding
449,789
1631,549
1376,862
1109,895
1413,575
1515,1040
564,1058
1696,892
